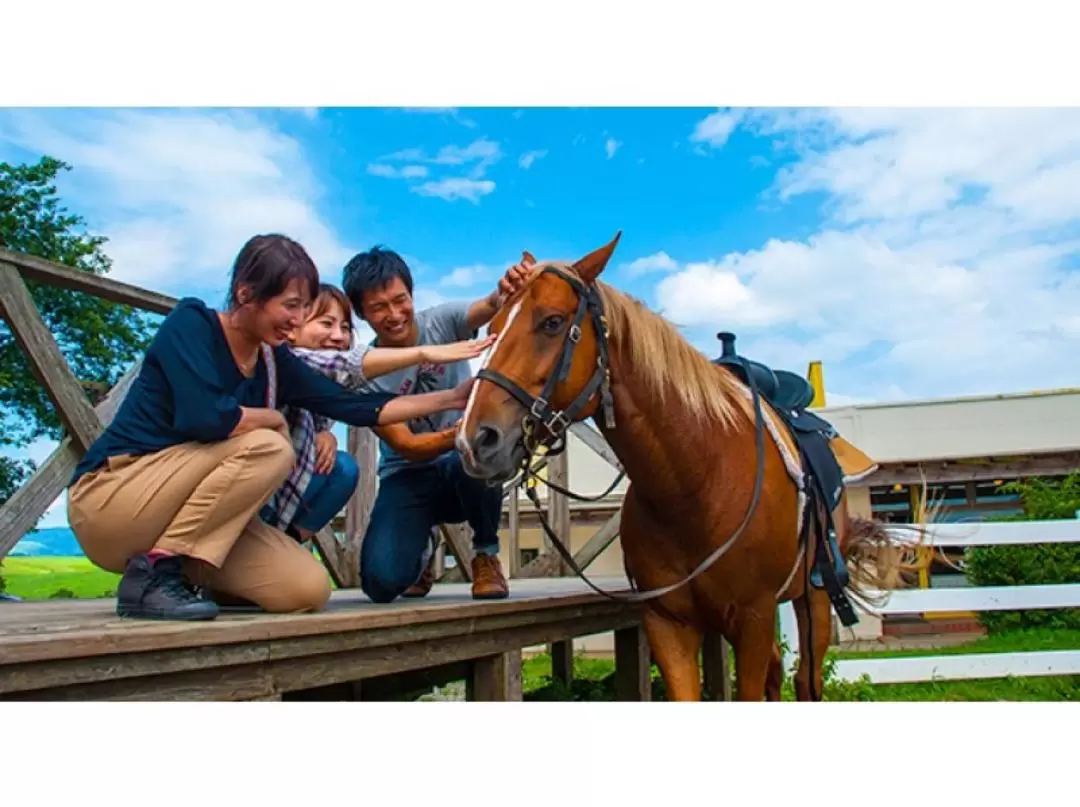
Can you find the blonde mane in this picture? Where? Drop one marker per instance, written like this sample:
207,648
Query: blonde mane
664,359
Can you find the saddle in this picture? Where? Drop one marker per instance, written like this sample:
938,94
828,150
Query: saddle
789,395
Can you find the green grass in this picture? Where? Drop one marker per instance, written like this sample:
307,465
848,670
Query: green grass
50,578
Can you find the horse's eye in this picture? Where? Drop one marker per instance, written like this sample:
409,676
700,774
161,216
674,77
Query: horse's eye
553,324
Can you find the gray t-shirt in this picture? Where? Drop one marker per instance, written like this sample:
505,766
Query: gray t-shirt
439,325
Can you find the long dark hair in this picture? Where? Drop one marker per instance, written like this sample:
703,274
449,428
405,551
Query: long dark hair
267,264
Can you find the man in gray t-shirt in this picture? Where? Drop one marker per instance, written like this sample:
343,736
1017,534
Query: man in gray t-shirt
421,481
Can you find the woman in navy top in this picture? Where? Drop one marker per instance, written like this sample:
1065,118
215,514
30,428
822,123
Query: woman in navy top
170,493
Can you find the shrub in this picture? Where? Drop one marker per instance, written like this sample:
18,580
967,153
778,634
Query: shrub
1038,564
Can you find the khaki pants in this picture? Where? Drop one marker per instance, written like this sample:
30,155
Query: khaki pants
202,501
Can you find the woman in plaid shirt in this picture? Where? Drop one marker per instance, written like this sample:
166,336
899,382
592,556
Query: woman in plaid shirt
323,479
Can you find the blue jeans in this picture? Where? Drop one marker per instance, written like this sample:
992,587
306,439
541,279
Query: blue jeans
326,494
410,502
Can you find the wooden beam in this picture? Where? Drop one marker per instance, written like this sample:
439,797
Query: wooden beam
601,540
595,440
47,362
331,553
632,669
558,506
27,505
495,678
947,472
716,668
562,661
53,274
364,446
458,539
514,548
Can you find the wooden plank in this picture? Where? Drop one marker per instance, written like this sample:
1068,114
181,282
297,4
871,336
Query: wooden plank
632,669
946,472
984,598
278,675
961,667
26,506
562,661
332,554
53,274
595,440
716,668
558,506
495,678
989,533
600,541
514,548
47,362
364,446
458,539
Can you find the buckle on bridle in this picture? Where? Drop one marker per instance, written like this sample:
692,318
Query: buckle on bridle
559,418
539,406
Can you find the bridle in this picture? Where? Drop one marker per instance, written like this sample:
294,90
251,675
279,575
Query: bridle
539,413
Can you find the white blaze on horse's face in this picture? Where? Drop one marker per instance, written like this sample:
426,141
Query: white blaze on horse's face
459,439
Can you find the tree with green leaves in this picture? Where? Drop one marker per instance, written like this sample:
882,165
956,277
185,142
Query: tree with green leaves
98,338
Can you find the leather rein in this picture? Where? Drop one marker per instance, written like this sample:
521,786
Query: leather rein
539,414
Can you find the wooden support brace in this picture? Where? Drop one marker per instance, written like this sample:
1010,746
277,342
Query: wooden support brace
716,668
495,678
562,661
47,362
458,538
632,665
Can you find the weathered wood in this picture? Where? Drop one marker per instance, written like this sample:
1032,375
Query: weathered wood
27,505
546,565
632,665
495,678
514,540
601,540
958,471
53,274
364,446
594,440
562,661
558,506
332,554
458,539
46,360
716,668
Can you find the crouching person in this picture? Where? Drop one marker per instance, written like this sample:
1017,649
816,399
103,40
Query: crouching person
169,494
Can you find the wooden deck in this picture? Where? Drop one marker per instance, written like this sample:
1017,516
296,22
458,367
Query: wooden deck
354,650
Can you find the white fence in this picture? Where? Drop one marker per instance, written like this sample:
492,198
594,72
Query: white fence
944,600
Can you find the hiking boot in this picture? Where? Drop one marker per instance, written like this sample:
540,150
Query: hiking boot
156,589
422,586
489,583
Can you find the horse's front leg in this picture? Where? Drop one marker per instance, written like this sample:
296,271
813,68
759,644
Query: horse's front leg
675,647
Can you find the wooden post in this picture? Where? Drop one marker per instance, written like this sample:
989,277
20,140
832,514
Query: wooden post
495,678
632,662
558,506
562,661
47,362
716,668
514,548
364,446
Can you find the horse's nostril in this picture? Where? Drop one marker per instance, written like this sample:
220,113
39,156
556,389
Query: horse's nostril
487,441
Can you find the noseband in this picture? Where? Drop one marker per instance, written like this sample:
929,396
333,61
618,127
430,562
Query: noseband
538,409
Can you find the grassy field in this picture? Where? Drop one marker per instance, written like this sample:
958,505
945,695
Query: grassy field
49,578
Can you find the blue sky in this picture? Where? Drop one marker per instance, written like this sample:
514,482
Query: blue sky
918,253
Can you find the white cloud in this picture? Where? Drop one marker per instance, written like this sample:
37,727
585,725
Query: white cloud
657,262
611,145
445,111
464,276
478,156
529,157
454,188
945,252
715,129
178,193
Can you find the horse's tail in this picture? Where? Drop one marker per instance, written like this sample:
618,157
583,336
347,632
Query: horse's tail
879,558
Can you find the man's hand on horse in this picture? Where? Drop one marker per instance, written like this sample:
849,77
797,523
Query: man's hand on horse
514,279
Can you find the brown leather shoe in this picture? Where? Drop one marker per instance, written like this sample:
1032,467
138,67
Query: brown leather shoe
422,586
489,583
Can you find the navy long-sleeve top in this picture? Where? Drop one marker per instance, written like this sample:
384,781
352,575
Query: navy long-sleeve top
189,389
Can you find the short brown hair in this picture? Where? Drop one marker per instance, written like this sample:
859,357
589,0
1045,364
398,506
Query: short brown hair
323,299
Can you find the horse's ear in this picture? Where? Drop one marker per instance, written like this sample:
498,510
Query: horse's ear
590,267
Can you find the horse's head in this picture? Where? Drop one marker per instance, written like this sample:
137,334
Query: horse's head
547,368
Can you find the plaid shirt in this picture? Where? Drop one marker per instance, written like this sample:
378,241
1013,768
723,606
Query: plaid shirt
346,368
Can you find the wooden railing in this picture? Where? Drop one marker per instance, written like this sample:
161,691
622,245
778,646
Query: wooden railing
83,422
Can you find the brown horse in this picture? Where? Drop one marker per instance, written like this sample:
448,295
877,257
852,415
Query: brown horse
570,348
